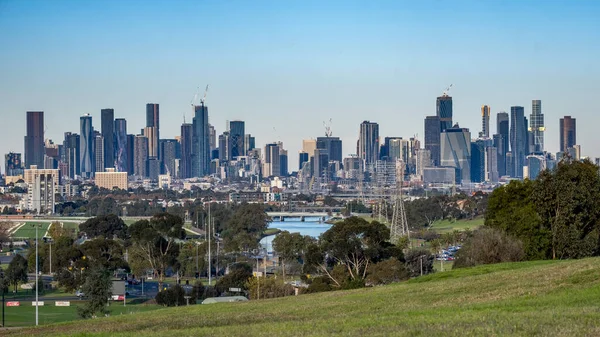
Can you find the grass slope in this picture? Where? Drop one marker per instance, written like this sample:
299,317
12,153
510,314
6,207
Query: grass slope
531,298
445,226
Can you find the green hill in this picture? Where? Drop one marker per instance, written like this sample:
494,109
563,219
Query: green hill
531,298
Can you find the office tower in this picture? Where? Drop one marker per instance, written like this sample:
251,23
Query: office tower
332,146
13,164
485,121
283,163
140,156
432,138
150,133
130,154
501,141
120,144
249,143
108,133
71,156
443,108
536,126
568,133
510,164
86,147
368,142
423,161
201,142
237,134
302,158
456,152
168,148
491,164
224,147
153,121
153,168
272,163
98,153
518,140
42,188
185,166
394,148
212,137
535,165
320,161
477,161
384,150
34,139
51,154
309,146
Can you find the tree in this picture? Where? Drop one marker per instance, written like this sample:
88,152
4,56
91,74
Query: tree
106,226
419,261
57,230
107,253
245,228
156,241
268,287
172,297
238,276
98,289
488,245
5,226
354,244
289,247
17,271
386,272
192,254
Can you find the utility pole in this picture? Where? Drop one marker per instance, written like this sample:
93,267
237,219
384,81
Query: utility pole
37,263
209,257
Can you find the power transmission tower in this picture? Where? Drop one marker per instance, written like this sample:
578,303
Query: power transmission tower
381,174
399,226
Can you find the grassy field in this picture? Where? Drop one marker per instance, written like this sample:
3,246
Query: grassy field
445,226
25,314
28,231
545,298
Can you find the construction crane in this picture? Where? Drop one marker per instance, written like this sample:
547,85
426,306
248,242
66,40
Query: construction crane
445,93
204,97
327,125
197,94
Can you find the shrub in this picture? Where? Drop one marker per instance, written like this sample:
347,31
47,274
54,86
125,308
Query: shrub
388,271
419,261
268,287
319,284
489,245
172,297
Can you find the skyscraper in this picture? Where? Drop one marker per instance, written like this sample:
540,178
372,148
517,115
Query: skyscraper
98,152
283,163
13,164
168,148
568,133
130,154
518,139
432,138
536,126
201,142
485,121
72,152
86,146
107,117
443,108
456,152
34,139
140,156
225,147
237,135
249,143
332,146
153,134
185,165
120,139
212,137
501,141
272,163
302,158
368,142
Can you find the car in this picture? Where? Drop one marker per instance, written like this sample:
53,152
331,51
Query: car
79,294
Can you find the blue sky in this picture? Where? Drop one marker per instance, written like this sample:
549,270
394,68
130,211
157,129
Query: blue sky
286,66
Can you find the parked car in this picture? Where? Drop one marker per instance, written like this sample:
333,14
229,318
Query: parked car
79,294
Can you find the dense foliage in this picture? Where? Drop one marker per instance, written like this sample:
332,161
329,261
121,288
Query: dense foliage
488,245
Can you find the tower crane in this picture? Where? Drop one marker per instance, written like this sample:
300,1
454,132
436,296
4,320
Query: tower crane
197,94
327,126
445,93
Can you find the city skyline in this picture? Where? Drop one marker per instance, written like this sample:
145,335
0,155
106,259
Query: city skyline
397,88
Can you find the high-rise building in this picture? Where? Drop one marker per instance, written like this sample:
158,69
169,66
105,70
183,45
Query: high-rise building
518,139
272,162
131,154
477,161
485,121
568,133
535,165
120,144
42,187
536,126
283,163
237,134
225,147
491,164
249,143
501,141
86,147
111,179
153,168
13,164
212,137
309,146
140,156
368,142
153,121
98,153
384,150
71,157
432,138
456,152
302,158
332,146
443,108
34,139
423,161
168,148
395,148
201,142
185,166
107,117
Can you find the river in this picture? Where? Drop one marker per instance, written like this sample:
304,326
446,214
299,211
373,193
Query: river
310,226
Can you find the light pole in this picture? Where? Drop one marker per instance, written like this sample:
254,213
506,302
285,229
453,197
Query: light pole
37,263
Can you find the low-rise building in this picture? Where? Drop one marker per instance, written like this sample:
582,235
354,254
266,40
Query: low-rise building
111,179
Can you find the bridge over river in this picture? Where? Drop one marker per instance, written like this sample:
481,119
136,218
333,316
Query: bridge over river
303,216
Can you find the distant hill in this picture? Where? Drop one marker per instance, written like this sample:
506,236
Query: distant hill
543,298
